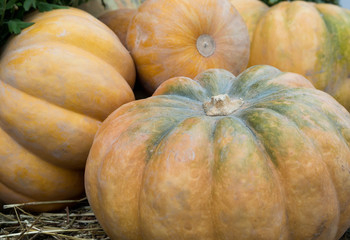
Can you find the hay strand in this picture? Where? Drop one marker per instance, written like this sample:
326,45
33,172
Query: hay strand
72,223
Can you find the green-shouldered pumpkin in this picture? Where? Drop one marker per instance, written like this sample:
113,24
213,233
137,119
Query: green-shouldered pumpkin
59,79
263,156
306,38
183,38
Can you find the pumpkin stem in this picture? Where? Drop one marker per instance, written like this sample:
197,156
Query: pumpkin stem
221,105
205,45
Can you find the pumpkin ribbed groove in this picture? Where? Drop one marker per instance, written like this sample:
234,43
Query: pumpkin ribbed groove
189,164
319,120
247,161
296,149
101,36
19,125
51,103
79,101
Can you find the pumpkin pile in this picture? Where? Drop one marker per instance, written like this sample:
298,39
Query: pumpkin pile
246,134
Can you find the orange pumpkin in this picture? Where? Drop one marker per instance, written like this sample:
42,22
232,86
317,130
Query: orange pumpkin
118,20
59,79
261,156
306,38
183,38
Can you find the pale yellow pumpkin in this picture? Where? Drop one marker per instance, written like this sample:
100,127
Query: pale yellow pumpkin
60,78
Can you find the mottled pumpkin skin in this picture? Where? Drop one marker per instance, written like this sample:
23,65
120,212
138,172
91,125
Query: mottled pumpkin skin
163,37
60,78
278,167
118,21
306,38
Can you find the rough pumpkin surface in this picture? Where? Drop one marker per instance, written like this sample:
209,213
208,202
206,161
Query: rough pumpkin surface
306,38
59,79
277,167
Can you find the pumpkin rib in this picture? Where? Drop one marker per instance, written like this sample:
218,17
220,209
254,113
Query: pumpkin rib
22,159
188,163
137,120
255,136
332,86
214,82
339,34
288,93
131,126
92,118
183,86
42,156
131,110
139,200
12,118
23,196
127,136
339,133
307,104
177,103
335,180
18,195
101,35
255,75
94,111
262,180
211,146
89,19
317,94
327,185
332,124
185,100
12,196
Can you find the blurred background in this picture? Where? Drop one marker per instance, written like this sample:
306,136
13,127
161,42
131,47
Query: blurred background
345,3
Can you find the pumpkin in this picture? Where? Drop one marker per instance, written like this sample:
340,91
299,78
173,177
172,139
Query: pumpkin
118,21
100,7
60,78
182,38
260,156
306,38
